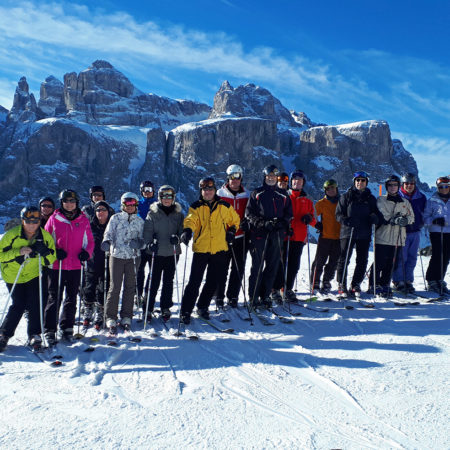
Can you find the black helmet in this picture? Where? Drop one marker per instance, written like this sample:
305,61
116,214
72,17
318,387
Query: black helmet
147,184
30,213
283,176
93,189
297,173
271,169
392,179
207,182
68,193
46,199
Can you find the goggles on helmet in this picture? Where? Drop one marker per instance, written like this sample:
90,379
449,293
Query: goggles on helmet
207,184
234,176
31,217
130,202
284,178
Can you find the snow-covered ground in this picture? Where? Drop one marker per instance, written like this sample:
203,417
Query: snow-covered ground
353,379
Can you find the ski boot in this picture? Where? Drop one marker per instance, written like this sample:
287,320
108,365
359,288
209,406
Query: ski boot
203,313
267,303
326,288
125,323
66,335
233,302
98,317
275,296
342,290
290,296
443,288
410,288
434,286
185,318
35,342
87,316
3,342
356,291
50,338
219,303
165,314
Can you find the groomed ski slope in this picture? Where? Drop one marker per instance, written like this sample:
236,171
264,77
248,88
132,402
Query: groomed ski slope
354,379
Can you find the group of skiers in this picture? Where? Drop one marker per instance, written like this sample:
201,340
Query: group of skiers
98,253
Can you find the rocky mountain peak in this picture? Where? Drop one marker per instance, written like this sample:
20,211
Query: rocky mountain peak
51,97
24,107
101,64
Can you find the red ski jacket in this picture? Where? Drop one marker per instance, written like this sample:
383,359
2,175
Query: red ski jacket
301,205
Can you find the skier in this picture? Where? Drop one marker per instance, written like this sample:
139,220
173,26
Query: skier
437,218
96,194
213,224
20,250
162,230
147,190
390,235
46,207
123,238
269,212
234,193
72,233
328,246
403,276
283,180
356,211
94,286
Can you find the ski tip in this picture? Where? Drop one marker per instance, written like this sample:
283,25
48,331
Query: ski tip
56,363
193,338
228,330
89,349
348,307
78,336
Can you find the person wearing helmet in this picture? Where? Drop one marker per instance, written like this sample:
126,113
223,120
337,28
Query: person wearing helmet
94,286
356,211
96,194
268,213
403,276
162,230
212,223
283,180
46,207
390,235
72,233
234,193
147,199
20,250
123,239
303,215
437,219
328,246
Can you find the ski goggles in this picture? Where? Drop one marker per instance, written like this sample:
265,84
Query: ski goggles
147,189
207,185
130,202
283,178
443,186
46,205
32,217
361,174
168,196
69,200
234,176
101,209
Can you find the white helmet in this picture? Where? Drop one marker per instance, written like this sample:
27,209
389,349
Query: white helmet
128,196
234,169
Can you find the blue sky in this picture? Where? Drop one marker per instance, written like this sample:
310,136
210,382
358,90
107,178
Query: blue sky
337,61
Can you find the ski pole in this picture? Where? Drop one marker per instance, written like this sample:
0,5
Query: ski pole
41,303
149,288
176,279
344,273
58,297
374,262
182,290
423,273
13,286
241,286
285,273
79,335
259,271
309,263
105,288
394,259
441,284
135,280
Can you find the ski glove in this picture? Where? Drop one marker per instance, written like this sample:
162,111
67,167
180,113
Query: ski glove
402,221
186,236
229,235
61,254
373,218
269,225
137,243
319,226
152,247
245,226
40,248
351,222
105,246
83,255
280,224
307,219
440,221
174,239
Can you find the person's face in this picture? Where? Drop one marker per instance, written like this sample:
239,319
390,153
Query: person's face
147,192
30,228
46,208
102,214
392,188
297,183
166,201
97,196
360,183
444,188
271,179
234,184
69,204
331,191
409,187
208,193
282,184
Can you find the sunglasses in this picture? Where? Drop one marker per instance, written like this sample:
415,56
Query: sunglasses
285,179
69,200
409,183
443,186
101,210
97,194
147,189
46,205
234,176
360,180
392,185
208,188
130,202
31,220
167,196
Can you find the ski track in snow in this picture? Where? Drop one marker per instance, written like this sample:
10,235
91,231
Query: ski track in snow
362,378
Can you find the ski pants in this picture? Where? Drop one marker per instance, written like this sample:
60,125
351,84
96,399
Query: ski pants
240,247
362,256
407,259
70,281
267,267
121,271
214,275
327,250
25,297
384,261
293,262
145,259
440,254
162,266
94,287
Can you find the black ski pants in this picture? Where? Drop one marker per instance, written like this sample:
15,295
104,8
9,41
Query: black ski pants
384,262
440,254
70,281
295,254
267,267
240,248
145,259
25,297
362,256
94,286
163,266
216,272
327,250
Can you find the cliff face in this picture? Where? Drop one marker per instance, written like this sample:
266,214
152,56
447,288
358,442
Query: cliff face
97,128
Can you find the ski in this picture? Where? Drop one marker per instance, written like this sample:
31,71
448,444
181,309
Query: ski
130,335
54,361
307,305
186,332
262,318
365,303
292,313
213,325
244,318
282,318
343,300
